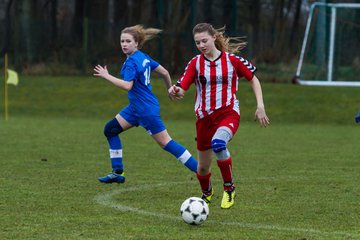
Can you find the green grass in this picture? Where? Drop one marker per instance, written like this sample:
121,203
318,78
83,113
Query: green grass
297,179
81,97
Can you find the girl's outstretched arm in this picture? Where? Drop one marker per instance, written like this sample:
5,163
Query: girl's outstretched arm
120,83
166,77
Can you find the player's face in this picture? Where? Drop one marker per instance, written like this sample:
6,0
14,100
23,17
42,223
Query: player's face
128,44
204,42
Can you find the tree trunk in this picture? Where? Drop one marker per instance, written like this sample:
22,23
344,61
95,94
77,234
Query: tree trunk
295,25
27,31
7,30
78,20
255,13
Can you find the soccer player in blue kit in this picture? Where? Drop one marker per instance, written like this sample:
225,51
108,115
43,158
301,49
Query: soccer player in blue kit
144,108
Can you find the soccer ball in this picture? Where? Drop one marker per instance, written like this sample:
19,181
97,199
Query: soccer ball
194,211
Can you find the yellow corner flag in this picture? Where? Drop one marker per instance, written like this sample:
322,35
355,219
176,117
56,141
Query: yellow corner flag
12,77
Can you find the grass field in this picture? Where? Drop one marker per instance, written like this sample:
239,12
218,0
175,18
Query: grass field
297,179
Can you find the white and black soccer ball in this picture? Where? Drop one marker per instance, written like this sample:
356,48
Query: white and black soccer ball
194,211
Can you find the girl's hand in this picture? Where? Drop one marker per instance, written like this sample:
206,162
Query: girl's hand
176,92
101,71
260,116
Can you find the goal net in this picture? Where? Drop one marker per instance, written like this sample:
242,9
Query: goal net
330,53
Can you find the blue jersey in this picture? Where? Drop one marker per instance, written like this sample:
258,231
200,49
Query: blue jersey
137,68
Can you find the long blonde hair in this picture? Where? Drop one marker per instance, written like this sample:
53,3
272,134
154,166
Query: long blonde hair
223,43
141,34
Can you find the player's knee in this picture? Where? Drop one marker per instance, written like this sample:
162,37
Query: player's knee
112,128
218,145
219,148
202,171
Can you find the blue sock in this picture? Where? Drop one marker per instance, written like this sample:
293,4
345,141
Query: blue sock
116,153
182,155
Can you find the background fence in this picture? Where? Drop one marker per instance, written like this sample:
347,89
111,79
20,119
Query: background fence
69,36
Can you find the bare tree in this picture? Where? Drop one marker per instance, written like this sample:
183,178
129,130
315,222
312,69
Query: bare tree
28,34
77,27
7,27
295,25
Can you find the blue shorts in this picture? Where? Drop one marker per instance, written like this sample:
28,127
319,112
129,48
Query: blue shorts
151,122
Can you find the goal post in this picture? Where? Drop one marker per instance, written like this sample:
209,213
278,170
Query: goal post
330,53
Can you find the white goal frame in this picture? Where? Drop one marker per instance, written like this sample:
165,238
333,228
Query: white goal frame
329,81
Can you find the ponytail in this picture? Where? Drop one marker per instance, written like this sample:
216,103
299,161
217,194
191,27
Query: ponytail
141,34
223,43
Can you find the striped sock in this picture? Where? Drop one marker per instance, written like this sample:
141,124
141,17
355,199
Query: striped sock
182,154
116,154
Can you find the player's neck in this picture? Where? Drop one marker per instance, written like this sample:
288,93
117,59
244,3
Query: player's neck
131,53
213,55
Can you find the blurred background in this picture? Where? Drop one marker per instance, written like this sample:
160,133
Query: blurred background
68,37
298,178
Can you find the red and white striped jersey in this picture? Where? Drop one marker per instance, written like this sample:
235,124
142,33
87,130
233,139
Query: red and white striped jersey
216,81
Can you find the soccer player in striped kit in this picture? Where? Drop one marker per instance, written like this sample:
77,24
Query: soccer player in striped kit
144,108
215,73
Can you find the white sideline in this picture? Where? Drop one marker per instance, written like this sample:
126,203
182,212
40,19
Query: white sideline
105,199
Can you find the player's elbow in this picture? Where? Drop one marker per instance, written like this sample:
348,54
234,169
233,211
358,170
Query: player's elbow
127,86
